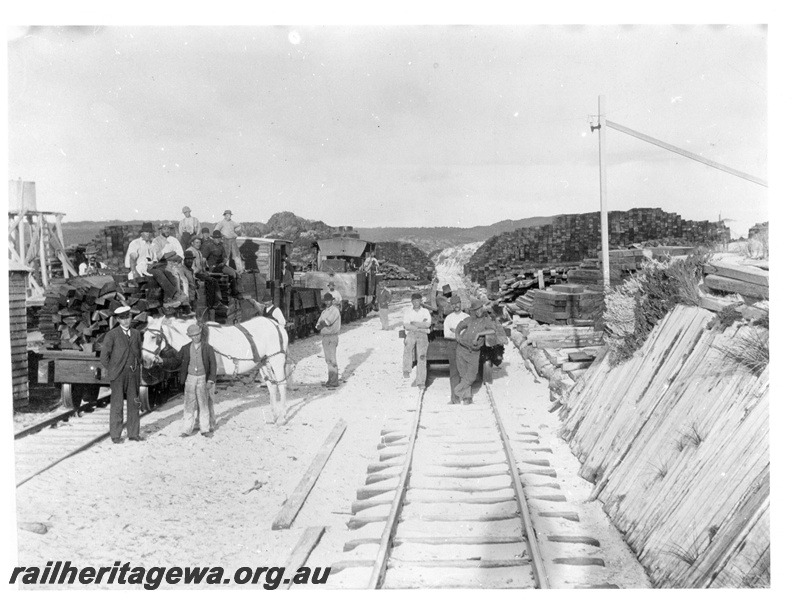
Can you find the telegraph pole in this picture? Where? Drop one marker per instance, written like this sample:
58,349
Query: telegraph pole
601,123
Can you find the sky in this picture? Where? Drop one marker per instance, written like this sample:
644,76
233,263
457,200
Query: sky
386,125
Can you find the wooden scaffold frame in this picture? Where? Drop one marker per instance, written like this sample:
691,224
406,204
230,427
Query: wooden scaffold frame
35,240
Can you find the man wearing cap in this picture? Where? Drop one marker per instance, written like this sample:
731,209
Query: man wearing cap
141,253
120,359
230,230
470,336
383,300
329,325
92,265
417,322
188,228
215,253
449,332
197,373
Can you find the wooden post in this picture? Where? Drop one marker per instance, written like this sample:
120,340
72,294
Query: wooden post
601,123
540,278
43,250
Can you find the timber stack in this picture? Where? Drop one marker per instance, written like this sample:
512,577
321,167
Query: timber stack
752,282
408,256
78,312
571,238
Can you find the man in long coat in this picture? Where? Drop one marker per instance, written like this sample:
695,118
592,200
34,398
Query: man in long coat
120,357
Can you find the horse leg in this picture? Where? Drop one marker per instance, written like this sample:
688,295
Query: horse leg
272,396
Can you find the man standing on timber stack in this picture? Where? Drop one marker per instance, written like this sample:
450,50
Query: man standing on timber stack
230,230
417,322
120,358
188,228
470,336
449,332
329,325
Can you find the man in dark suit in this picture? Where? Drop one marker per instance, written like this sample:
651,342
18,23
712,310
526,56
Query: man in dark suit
120,357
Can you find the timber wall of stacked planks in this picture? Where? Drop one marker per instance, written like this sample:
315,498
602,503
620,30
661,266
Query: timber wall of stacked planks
676,442
571,238
17,294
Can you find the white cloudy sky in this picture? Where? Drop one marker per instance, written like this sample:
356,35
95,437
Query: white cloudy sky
386,125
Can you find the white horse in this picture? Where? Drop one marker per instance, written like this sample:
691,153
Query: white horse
259,343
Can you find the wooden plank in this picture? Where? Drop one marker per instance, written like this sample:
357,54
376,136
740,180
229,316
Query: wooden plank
746,274
726,284
293,505
300,553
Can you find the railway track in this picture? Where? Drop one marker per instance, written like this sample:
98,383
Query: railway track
40,447
459,500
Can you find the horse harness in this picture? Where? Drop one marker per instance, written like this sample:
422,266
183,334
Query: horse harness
257,358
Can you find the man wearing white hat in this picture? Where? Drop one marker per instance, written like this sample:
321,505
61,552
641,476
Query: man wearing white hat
120,359
198,373
188,228
230,230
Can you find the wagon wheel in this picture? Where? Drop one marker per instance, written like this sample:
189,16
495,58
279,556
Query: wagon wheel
66,395
143,396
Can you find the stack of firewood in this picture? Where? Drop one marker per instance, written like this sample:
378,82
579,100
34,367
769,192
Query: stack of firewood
78,312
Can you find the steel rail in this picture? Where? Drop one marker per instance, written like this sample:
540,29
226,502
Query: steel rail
540,574
386,540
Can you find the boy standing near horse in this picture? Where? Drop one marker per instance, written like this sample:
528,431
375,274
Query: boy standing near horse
329,325
198,372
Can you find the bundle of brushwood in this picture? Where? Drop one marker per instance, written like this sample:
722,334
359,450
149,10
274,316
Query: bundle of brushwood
78,312
751,281
393,272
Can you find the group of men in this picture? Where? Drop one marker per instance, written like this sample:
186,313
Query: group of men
470,332
175,263
121,359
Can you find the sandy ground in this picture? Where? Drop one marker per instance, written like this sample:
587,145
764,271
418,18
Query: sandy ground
172,501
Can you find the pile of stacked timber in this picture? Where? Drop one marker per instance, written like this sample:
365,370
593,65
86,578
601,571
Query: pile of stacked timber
392,272
567,304
750,281
112,243
571,238
623,263
407,256
78,312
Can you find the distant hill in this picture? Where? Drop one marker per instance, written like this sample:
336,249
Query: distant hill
434,239
303,232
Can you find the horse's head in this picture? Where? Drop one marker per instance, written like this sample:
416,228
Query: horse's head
154,341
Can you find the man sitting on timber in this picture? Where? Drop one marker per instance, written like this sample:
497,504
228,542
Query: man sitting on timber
141,253
215,253
470,336
201,272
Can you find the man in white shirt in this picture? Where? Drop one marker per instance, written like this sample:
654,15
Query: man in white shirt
165,242
92,264
449,332
417,322
188,228
230,231
141,253
337,300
